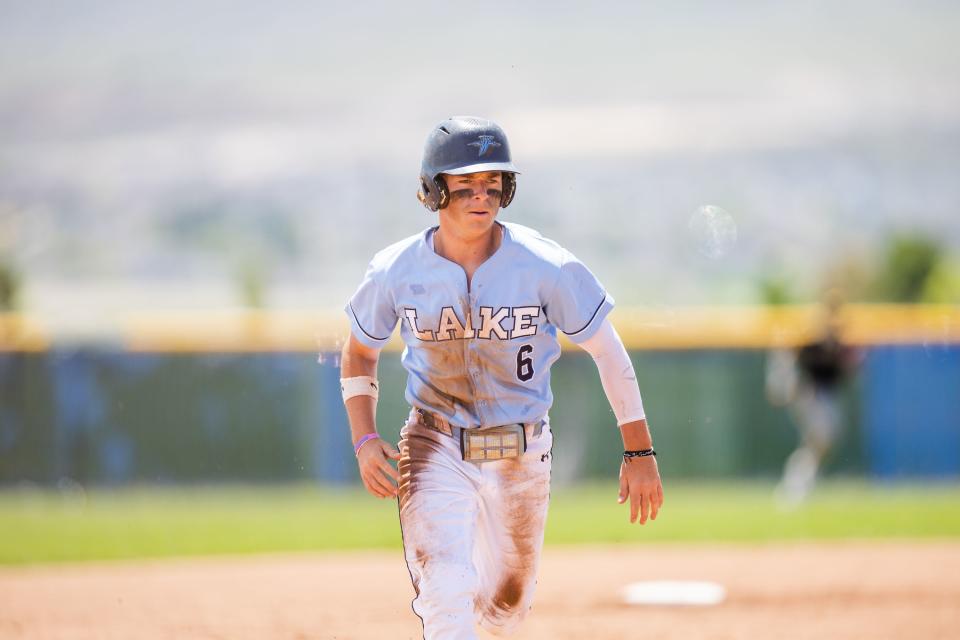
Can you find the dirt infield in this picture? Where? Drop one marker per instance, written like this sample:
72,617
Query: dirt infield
789,591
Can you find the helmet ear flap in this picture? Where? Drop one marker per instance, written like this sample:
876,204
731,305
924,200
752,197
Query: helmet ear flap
509,181
428,197
443,197
421,196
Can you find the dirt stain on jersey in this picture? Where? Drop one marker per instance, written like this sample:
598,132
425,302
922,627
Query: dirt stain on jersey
449,386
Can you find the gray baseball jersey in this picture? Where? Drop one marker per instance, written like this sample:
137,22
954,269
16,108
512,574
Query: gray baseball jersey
479,356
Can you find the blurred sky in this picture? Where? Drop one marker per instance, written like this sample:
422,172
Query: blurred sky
150,152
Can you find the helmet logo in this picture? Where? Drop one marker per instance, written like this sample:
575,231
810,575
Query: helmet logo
484,143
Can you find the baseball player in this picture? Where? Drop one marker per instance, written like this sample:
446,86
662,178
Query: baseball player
479,304
809,381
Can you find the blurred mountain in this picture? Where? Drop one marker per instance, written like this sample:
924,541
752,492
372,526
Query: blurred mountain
155,153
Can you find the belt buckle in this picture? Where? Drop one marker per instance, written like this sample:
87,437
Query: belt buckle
493,443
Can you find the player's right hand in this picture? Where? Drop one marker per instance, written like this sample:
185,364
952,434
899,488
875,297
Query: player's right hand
378,475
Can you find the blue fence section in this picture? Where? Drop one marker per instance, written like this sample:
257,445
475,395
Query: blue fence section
912,411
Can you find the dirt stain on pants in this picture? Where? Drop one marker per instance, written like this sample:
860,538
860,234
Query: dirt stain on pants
472,532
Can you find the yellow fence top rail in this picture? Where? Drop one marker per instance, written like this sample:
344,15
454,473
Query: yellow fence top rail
752,327
764,327
21,332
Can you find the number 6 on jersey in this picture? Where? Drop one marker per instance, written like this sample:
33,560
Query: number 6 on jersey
525,363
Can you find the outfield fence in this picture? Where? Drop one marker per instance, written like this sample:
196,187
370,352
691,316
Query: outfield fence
240,396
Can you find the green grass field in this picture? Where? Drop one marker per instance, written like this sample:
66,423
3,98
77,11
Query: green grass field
56,526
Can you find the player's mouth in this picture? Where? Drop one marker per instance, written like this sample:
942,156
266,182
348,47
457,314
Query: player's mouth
478,213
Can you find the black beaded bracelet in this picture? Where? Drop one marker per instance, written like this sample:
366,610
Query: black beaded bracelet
642,453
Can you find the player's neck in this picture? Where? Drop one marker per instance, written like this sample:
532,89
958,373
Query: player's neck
467,251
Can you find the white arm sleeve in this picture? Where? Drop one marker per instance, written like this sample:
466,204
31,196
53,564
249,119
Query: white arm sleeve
616,373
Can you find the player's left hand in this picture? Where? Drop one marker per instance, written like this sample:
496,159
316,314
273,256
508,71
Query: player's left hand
640,481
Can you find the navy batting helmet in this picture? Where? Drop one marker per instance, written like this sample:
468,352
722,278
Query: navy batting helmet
459,145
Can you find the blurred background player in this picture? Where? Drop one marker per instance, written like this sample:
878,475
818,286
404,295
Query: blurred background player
809,381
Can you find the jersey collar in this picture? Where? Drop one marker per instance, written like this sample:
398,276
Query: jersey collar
426,242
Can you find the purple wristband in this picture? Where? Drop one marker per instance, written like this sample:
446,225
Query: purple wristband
364,440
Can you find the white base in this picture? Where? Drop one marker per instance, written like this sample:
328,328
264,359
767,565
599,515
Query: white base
674,592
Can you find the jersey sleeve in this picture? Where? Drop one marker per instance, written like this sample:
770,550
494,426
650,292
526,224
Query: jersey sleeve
371,311
578,303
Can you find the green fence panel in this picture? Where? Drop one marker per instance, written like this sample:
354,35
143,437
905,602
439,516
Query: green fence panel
108,416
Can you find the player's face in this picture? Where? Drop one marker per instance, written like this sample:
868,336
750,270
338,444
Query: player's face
474,200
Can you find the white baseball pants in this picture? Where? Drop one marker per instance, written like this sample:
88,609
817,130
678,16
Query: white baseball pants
472,532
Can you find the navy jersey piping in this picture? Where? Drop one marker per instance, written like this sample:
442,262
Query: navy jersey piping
595,312
372,337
